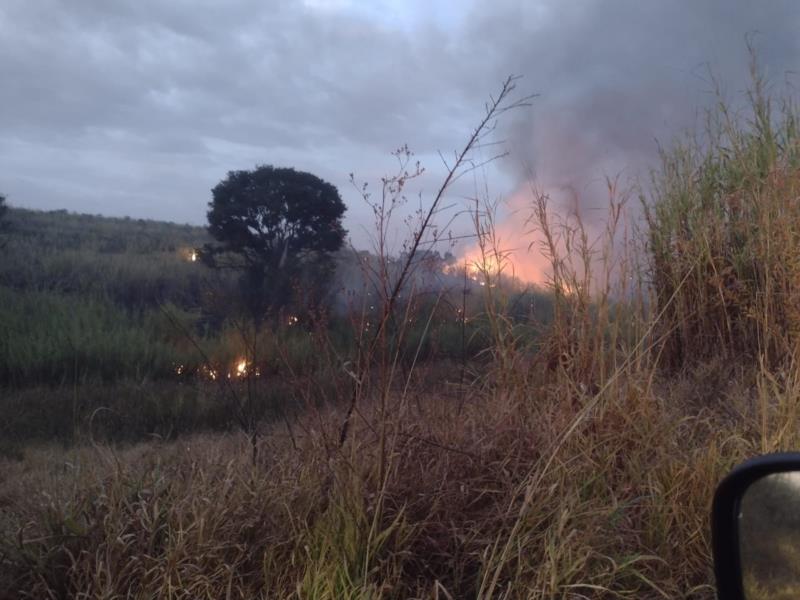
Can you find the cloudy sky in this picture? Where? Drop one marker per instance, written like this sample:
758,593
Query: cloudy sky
140,108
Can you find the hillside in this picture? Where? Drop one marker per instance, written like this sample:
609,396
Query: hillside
114,315
131,263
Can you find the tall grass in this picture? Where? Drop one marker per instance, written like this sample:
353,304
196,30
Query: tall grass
62,339
724,254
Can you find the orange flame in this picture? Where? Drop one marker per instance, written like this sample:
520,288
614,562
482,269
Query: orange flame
517,254
241,368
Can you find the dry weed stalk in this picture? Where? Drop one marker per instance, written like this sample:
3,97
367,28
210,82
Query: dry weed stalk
392,195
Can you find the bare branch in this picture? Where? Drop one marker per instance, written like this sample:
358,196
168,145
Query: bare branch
493,109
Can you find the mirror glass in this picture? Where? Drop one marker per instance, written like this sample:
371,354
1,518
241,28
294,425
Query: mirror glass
769,537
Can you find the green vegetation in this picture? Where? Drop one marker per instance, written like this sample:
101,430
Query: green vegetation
95,311
82,298
132,264
55,338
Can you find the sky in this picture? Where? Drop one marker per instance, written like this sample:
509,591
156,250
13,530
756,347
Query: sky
140,108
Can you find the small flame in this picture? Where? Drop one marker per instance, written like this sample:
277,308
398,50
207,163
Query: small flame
241,368
193,256
293,320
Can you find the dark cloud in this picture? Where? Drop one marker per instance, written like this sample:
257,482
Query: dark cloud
140,108
158,100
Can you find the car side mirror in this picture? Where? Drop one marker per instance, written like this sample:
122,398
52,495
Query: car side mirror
755,528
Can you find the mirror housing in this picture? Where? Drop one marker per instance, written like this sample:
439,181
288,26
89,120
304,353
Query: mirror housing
725,517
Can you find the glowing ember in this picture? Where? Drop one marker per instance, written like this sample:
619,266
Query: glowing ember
241,368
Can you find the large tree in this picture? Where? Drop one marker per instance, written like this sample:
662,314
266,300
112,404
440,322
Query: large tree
281,225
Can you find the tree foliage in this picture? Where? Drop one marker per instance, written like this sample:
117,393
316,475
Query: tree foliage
281,225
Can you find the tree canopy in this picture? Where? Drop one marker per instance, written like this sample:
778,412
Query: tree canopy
283,224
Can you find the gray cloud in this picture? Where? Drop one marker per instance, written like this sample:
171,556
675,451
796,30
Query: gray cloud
140,108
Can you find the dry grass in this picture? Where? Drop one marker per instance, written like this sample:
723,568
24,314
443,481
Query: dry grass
722,235
495,502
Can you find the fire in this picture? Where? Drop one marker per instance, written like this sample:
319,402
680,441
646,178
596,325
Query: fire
209,372
293,320
519,246
488,264
193,256
482,269
240,368
486,269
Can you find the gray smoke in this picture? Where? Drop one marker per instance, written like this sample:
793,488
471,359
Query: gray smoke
617,75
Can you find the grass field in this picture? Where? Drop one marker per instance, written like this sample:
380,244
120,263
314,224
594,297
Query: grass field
578,462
